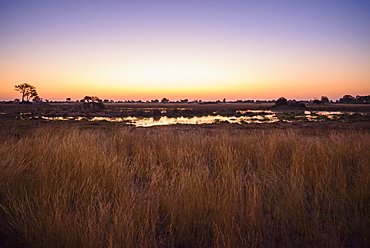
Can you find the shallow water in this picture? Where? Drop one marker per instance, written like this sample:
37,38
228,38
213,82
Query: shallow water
255,116
164,120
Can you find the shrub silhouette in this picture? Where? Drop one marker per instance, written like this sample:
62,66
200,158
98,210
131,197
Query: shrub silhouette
281,101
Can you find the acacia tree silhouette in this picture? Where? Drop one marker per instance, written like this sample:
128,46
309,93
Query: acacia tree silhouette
28,91
92,103
91,99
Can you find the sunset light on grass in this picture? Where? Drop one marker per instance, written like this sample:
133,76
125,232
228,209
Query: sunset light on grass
184,123
185,49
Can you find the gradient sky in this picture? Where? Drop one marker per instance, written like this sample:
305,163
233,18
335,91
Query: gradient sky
185,49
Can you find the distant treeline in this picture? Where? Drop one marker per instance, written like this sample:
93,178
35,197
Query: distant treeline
346,99
357,99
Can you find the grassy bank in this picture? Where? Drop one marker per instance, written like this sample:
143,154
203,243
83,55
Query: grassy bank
20,111
184,187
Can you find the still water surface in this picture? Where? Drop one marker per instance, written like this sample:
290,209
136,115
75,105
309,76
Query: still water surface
258,116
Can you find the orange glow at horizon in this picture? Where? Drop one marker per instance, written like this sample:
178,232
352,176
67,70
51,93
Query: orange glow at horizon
156,84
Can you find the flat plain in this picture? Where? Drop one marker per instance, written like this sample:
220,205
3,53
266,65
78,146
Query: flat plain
103,184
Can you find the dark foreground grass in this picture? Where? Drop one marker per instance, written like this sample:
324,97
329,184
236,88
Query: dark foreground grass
176,187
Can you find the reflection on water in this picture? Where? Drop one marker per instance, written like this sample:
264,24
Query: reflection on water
254,116
147,122
255,111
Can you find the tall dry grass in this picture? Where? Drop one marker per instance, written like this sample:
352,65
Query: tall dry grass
178,188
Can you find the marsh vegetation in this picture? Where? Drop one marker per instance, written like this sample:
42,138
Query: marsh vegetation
64,186
152,114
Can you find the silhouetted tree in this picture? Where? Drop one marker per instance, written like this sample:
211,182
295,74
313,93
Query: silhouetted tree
362,99
92,99
95,99
325,99
164,100
28,91
347,99
281,101
34,95
87,99
91,104
37,99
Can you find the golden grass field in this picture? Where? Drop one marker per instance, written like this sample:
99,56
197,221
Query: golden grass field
118,186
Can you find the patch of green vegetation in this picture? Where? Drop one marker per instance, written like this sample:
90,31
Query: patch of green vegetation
351,117
287,116
322,118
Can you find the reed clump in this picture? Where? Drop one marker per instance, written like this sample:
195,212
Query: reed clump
168,187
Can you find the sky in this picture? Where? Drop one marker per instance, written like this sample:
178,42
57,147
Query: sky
205,49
